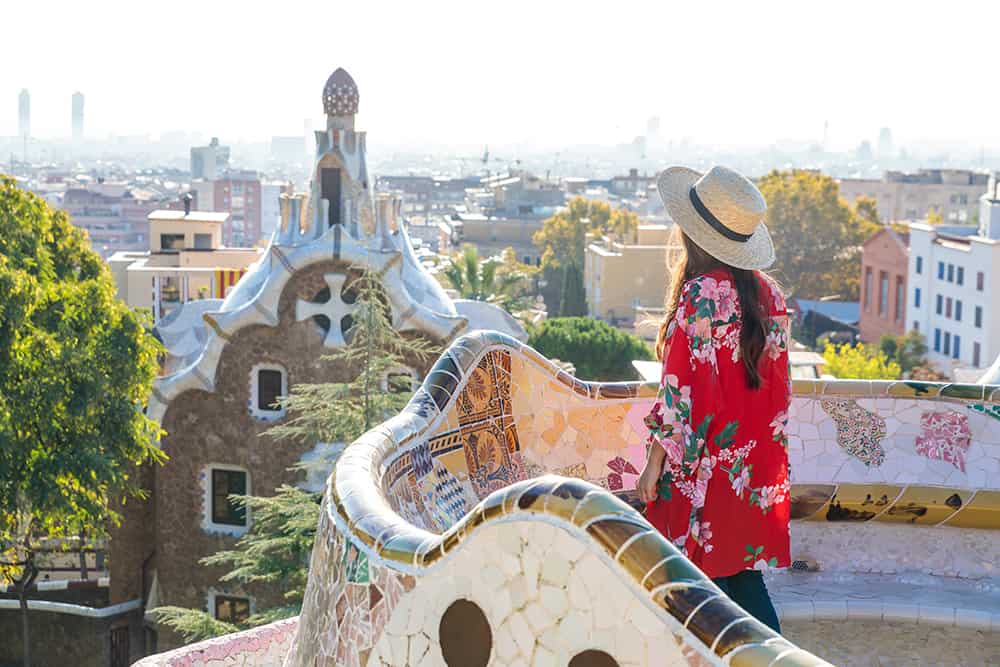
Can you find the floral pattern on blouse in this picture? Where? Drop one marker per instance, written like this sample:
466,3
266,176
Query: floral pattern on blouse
723,496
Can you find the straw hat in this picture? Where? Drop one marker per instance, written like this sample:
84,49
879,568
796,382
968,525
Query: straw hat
722,212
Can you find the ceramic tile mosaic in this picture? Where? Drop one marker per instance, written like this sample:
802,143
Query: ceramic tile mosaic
859,432
265,646
352,597
924,441
542,611
451,499
944,436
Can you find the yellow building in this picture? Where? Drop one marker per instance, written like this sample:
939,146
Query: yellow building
621,277
185,261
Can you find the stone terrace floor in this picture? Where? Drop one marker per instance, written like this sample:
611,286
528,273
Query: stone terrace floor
907,598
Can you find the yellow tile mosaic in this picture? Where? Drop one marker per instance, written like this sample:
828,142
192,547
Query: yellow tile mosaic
861,502
982,511
925,505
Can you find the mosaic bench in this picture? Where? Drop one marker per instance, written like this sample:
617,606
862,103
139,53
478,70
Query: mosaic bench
493,522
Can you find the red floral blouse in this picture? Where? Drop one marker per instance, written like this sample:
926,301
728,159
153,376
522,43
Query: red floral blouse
723,495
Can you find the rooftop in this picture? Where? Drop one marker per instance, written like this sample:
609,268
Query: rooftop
193,216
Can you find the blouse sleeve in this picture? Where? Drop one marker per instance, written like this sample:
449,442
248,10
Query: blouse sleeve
677,423
776,352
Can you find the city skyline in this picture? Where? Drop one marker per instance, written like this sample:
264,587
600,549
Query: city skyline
538,75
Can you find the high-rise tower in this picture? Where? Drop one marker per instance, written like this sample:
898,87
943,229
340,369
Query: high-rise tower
77,116
24,114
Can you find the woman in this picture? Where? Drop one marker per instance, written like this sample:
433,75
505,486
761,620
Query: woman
716,475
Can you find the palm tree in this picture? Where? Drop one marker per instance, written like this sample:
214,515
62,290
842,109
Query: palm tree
501,281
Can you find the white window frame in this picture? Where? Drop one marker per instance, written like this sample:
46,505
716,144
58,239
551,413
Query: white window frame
256,412
213,593
207,524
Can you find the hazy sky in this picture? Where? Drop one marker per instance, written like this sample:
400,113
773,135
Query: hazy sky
540,72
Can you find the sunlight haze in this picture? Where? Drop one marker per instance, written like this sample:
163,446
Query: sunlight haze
543,74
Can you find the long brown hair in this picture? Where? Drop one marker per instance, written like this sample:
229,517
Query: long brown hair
687,261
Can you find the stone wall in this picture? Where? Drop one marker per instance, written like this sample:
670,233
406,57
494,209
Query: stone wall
66,639
132,543
964,553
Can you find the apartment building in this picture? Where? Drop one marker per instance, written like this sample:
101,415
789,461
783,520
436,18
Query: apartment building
623,278
112,214
951,193
238,193
954,290
185,260
883,285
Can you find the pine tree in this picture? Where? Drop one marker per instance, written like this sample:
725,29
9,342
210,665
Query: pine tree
277,546
574,296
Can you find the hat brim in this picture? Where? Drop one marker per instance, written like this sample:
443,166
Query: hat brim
674,185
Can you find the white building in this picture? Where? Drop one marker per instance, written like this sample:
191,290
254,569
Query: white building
208,162
270,211
954,292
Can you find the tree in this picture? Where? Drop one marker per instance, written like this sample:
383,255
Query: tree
574,297
499,280
597,350
276,548
563,238
76,365
908,350
859,362
817,236
867,210
934,217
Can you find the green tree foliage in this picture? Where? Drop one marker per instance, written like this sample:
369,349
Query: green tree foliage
867,209
276,548
859,362
563,238
499,280
598,350
908,350
817,236
76,365
194,625
574,297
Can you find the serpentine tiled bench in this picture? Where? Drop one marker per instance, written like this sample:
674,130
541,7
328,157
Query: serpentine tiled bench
493,522
481,526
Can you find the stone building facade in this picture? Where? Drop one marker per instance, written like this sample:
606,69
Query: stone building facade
269,334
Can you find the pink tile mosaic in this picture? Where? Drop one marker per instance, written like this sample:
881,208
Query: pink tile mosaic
944,436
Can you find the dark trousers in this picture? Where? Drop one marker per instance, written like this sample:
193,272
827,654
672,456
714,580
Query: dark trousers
747,589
